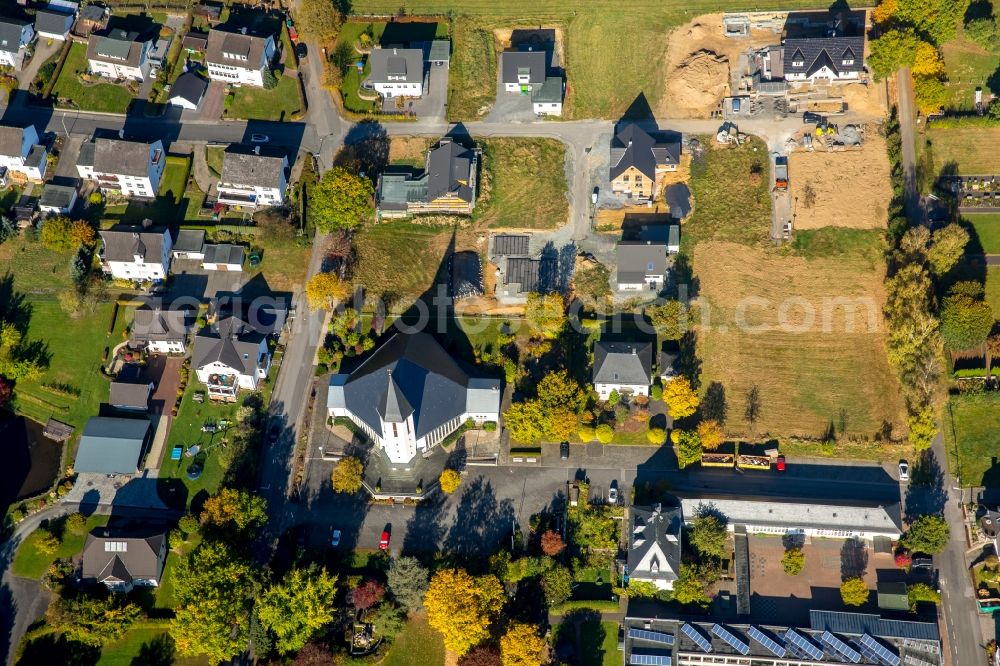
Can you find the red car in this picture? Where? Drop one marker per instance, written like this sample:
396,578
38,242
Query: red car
384,541
781,463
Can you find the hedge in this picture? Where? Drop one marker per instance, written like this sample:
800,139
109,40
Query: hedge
597,605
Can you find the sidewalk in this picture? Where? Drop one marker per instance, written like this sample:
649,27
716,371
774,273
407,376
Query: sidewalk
159,439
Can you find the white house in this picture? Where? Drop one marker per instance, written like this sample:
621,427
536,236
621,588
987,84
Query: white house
641,265
131,168
57,199
253,177
397,72
15,36
522,70
187,91
134,253
654,545
223,257
160,331
21,152
53,24
119,54
547,99
822,59
238,58
410,394
230,356
123,560
624,367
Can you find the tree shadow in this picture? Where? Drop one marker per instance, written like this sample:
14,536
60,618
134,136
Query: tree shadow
981,9
713,406
853,559
366,148
57,649
159,651
579,638
425,530
481,521
926,493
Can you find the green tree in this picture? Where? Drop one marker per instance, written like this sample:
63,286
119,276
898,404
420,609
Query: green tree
347,476
641,589
709,536
689,448
670,319
318,20
526,421
387,619
983,31
17,360
854,592
922,428
546,313
613,398
965,323
341,200
557,583
922,592
891,50
947,246
94,620
689,588
46,542
407,581
234,509
270,81
927,534
930,93
605,433
76,523
793,561
557,389
298,607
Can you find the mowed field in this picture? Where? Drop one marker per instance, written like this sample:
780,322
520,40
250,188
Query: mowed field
613,52
976,150
808,332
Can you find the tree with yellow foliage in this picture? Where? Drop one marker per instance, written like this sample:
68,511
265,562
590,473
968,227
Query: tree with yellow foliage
884,11
522,646
927,61
545,313
711,435
325,288
450,480
462,607
682,400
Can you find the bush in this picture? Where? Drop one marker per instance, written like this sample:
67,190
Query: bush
793,561
641,589
605,433
46,542
76,523
586,433
656,393
854,592
189,524
656,435
490,426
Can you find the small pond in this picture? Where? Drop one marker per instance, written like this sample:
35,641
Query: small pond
30,461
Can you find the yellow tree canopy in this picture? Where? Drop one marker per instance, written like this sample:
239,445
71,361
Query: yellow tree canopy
521,646
462,607
325,288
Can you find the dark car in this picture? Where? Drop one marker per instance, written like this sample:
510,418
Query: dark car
272,434
564,450
301,51
814,118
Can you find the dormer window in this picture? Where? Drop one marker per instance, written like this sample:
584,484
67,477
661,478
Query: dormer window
847,61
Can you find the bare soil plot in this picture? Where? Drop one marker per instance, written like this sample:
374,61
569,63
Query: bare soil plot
409,149
841,189
503,38
808,332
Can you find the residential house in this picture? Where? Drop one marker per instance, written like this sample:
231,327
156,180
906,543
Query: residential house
195,42
130,168
119,54
409,395
223,257
22,154
135,253
129,391
112,445
53,24
838,59
639,160
654,545
238,57
158,54
446,185
230,356
57,199
92,18
190,244
623,367
160,331
124,559
15,37
397,72
547,99
641,265
253,177
526,72
187,91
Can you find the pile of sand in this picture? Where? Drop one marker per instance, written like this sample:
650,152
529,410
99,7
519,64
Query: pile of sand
698,84
864,100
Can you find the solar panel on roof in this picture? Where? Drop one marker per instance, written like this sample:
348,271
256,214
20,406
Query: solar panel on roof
695,634
651,636
804,644
769,643
734,642
649,659
881,652
840,646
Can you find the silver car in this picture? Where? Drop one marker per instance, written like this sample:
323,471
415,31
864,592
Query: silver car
613,493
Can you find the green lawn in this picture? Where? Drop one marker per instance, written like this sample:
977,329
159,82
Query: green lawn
30,563
596,642
993,289
473,71
523,184
399,257
986,228
972,150
213,157
416,645
967,66
281,103
106,97
970,426
839,241
37,271
175,177
349,88
148,642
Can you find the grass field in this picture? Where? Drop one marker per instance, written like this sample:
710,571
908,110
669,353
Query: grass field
993,288
399,257
147,642
175,176
416,645
213,158
105,97
975,150
613,53
36,270
986,227
523,184
970,427
281,103
967,66
30,563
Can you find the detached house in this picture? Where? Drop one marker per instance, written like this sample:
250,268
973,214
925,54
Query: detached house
447,184
623,367
160,331
124,559
397,72
112,445
639,160
230,356
134,253
641,265
253,177
131,168
237,57
119,54
15,36
526,72
53,24
654,545
21,153
823,59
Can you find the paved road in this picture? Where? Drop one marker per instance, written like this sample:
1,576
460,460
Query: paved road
911,196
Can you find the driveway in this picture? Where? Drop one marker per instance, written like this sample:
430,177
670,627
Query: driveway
510,107
212,102
44,49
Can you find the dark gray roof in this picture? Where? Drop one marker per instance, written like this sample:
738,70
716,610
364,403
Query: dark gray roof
232,342
632,146
223,253
156,324
654,542
524,272
11,140
129,394
550,91
117,46
194,40
119,156
52,22
10,34
190,240
510,244
221,42
189,86
623,362
122,243
123,555
873,625
513,62
409,374
816,52
36,156
406,63
637,259
252,166
111,445
92,13
450,170
57,196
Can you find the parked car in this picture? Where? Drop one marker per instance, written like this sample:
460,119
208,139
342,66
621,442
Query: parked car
259,138
613,493
564,450
384,541
781,463
301,51
813,118
272,434
335,538
904,470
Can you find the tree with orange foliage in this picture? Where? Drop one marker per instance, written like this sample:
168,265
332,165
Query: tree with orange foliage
552,543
